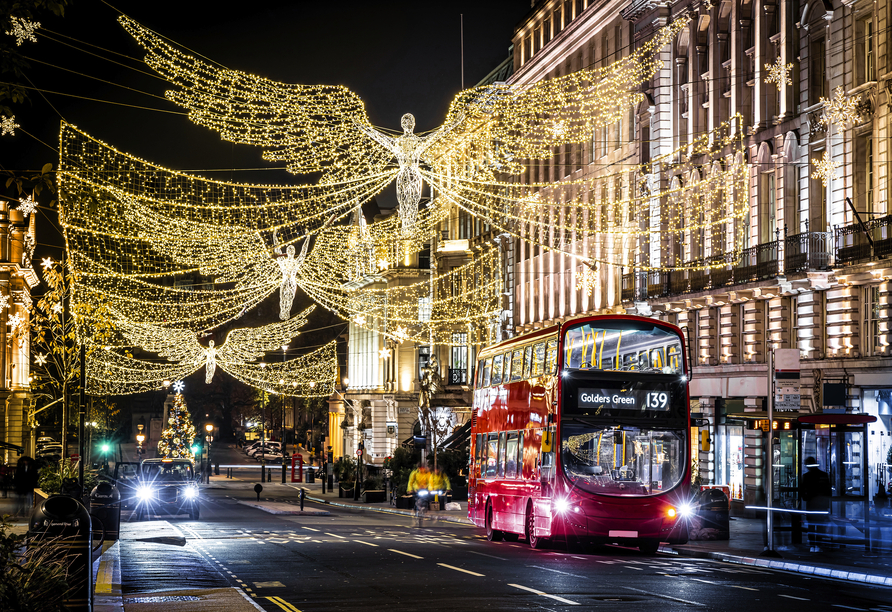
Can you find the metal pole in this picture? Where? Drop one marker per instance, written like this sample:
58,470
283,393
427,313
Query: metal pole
769,485
80,422
263,436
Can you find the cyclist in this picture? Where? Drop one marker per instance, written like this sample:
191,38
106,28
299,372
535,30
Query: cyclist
439,482
419,484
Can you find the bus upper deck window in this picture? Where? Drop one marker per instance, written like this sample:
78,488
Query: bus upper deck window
538,359
496,370
551,356
527,360
487,371
516,365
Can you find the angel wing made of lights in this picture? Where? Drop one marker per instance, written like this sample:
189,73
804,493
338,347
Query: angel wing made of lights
241,345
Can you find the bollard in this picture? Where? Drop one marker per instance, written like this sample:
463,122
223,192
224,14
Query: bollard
257,489
303,494
216,469
64,519
105,503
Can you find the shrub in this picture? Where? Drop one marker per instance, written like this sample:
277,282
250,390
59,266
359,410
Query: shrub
50,476
32,579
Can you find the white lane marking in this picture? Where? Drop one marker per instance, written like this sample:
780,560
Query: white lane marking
404,553
366,543
792,597
575,557
458,569
742,587
548,569
538,592
334,535
660,595
485,555
310,528
706,581
847,607
634,568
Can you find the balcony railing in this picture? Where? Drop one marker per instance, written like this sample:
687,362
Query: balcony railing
852,244
458,376
757,263
807,251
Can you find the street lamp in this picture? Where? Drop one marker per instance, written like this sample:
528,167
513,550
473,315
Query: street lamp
284,446
140,438
208,428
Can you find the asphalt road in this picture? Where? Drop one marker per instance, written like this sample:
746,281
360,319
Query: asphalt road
374,561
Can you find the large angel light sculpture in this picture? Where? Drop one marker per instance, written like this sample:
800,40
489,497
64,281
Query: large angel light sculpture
242,346
325,128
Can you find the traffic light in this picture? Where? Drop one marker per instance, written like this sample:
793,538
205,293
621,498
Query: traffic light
105,447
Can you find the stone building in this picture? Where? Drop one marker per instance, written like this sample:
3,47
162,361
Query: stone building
17,278
809,268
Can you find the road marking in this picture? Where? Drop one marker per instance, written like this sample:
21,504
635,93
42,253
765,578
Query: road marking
575,557
792,597
634,568
485,555
706,581
283,604
404,553
538,592
458,569
272,584
660,595
366,543
548,569
847,607
310,528
334,535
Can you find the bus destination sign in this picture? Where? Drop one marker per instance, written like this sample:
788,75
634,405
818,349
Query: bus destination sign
623,399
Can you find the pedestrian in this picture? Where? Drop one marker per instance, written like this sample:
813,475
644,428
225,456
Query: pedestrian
24,482
816,492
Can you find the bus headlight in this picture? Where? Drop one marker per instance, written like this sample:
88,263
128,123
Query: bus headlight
685,510
560,505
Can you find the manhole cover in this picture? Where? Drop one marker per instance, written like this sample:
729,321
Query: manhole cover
161,599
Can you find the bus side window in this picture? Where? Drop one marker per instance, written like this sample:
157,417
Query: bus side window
538,359
496,371
481,454
551,354
503,439
487,369
517,365
511,456
492,454
527,360
520,455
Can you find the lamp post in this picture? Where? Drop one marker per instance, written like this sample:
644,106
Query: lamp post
140,438
209,428
284,446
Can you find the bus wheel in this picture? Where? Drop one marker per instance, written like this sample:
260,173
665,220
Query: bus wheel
649,547
493,535
533,540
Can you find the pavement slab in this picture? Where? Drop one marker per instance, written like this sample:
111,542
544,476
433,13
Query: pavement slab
229,599
282,508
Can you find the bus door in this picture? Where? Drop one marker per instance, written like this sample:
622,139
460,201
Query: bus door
546,463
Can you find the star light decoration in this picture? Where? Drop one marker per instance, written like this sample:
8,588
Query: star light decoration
23,30
841,109
40,359
27,206
779,73
825,169
8,125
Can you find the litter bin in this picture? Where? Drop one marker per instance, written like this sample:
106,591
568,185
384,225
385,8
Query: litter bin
105,504
65,523
712,521
311,477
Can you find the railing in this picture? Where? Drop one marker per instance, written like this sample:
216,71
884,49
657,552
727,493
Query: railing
657,284
807,251
852,244
627,293
699,278
678,282
458,376
757,263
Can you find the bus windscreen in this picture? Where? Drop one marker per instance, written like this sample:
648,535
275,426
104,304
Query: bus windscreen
619,345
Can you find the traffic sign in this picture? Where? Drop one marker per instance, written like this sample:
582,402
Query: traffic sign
359,452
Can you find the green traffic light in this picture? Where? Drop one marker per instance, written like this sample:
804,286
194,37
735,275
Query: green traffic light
105,448
195,450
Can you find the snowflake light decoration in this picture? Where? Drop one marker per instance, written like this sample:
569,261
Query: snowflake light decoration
27,206
779,73
178,386
40,358
57,308
4,301
8,125
47,263
588,280
14,321
825,169
359,320
401,334
841,109
384,353
23,30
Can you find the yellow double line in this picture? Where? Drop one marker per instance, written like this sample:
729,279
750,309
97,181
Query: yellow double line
283,604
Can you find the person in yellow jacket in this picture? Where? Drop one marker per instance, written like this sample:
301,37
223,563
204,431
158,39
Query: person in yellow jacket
419,479
439,481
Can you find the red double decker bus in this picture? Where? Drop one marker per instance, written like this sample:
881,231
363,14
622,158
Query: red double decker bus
580,432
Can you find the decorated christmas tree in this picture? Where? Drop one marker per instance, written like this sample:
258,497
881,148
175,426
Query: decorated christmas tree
176,439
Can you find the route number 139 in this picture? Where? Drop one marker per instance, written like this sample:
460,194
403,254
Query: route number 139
657,401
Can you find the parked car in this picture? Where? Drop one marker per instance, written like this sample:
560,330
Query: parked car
269,455
50,452
127,480
44,441
252,446
167,486
275,446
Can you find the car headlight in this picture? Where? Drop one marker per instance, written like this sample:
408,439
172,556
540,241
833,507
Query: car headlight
560,505
144,492
190,492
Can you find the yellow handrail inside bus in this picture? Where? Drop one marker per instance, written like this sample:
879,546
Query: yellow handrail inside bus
599,447
601,352
619,362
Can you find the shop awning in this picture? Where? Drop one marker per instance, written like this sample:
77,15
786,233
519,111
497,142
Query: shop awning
837,419
459,437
